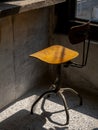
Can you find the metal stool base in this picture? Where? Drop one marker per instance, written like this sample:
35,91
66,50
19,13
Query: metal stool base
60,93
56,89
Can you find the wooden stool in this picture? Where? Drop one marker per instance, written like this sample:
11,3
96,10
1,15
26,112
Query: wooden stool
58,55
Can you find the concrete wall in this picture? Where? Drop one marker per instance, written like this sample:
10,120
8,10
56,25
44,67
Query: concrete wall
21,35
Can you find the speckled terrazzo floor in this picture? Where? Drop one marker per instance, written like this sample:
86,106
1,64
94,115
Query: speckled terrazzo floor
17,116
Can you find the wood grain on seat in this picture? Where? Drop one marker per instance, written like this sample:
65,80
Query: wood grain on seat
55,54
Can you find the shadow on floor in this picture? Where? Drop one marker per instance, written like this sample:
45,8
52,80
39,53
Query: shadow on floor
22,120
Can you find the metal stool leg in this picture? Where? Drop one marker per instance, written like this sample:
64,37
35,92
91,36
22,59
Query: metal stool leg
65,106
74,92
45,93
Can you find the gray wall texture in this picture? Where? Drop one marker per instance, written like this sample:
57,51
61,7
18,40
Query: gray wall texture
21,35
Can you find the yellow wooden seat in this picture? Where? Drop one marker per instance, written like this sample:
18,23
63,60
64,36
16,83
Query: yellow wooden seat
55,54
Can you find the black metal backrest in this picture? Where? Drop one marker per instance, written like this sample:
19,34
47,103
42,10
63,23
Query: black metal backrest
78,34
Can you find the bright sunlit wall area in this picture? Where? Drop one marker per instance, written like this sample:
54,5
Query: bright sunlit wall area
87,10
